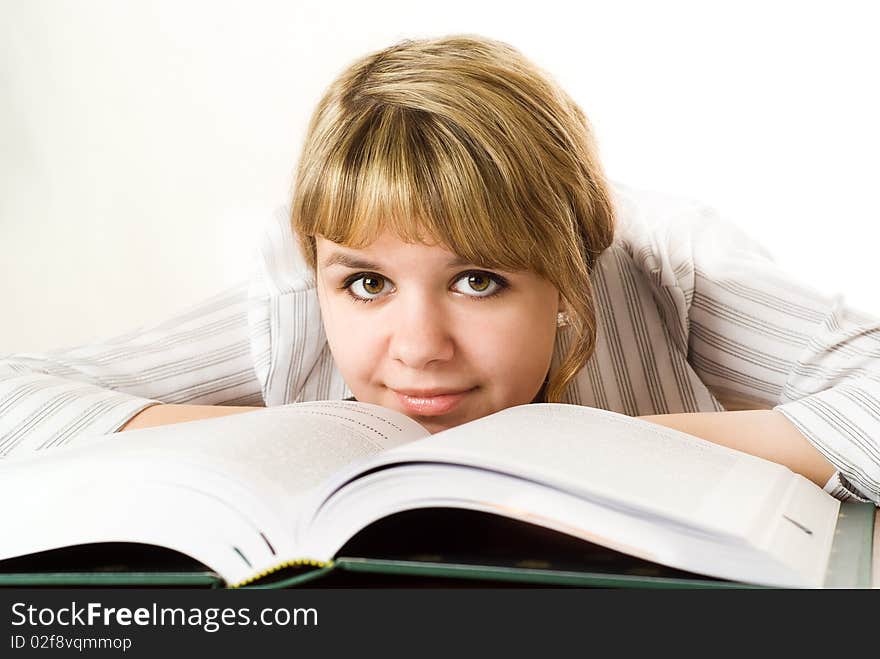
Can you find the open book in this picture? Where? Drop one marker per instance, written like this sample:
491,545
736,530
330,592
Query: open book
252,493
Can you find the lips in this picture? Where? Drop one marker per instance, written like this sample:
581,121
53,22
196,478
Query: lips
430,402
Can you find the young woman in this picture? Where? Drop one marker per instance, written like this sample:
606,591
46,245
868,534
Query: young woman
452,249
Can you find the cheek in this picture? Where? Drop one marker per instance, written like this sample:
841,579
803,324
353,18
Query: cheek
518,355
356,352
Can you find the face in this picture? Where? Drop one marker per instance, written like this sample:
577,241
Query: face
414,328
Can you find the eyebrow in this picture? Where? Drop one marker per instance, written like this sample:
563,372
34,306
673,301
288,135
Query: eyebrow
357,263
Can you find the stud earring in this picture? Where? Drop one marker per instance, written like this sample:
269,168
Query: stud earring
562,319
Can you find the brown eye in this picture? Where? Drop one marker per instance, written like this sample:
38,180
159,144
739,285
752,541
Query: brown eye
373,285
367,287
478,282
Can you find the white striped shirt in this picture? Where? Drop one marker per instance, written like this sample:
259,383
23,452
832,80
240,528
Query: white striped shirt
693,316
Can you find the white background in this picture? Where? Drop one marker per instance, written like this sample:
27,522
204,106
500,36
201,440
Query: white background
143,143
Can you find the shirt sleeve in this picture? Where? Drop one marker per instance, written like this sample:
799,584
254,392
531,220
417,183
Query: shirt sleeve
202,356
292,358
758,335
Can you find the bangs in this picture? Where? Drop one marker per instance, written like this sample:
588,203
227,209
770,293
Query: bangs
425,180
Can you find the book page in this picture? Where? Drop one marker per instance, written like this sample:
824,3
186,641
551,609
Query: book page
244,471
278,452
608,478
602,455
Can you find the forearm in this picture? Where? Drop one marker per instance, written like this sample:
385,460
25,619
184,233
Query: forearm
764,433
163,415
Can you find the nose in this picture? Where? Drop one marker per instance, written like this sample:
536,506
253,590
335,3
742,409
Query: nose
420,335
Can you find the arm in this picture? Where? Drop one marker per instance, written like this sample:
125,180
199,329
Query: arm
201,357
748,431
756,334
163,415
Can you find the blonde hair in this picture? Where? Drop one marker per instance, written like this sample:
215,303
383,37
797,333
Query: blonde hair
461,141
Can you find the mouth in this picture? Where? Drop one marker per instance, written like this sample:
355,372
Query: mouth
430,402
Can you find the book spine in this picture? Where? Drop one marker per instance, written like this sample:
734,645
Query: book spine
297,562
